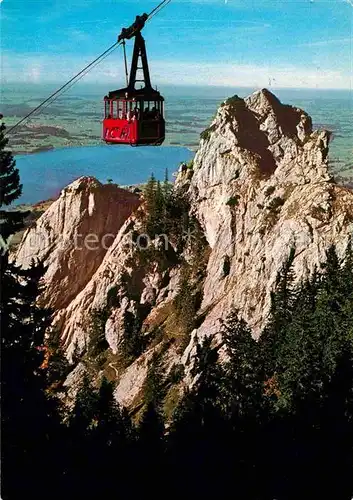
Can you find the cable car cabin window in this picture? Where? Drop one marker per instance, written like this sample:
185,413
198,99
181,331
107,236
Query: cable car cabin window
135,110
131,110
109,109
151,110
139,108
125,109
121,110
144,109
106,109
157,106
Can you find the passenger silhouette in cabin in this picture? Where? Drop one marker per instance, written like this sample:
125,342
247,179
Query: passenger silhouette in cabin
136,113
154,113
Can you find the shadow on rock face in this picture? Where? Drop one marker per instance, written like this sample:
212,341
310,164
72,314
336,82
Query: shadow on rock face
253,139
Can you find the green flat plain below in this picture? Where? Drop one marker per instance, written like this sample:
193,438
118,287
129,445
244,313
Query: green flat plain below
75,118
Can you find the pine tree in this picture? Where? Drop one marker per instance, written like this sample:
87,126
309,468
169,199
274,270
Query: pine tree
133,342
150,190
111,445
113,421
347,268
83,416
281,314
97,341
154,387
30,424
199,439
151,445
167,188
160,214
10,191
56,365
281,408
244,374
81,452
150,200
283,297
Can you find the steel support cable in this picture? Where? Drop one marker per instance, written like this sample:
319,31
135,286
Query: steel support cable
78,79
61,88
83,72
161,8
71,85
158,8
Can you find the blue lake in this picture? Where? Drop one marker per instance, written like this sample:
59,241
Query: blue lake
44,174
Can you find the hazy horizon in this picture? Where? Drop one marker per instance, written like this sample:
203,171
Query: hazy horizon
278,43
121,84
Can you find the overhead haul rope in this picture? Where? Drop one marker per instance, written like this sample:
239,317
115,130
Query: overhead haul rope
102,57
125,63
61,88
157,9
83,72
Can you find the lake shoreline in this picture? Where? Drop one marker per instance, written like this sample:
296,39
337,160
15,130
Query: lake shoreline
46,149
44,174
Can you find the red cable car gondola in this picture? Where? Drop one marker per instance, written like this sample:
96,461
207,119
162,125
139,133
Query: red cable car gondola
135,116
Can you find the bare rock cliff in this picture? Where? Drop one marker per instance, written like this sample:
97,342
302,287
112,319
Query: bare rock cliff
259,186
73,235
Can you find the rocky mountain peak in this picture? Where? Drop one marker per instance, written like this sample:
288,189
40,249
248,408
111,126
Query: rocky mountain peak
267,136
261,185
73,235
258,187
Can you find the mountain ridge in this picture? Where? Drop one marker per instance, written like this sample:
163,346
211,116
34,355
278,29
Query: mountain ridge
258,187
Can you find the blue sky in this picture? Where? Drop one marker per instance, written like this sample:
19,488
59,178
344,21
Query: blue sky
287,43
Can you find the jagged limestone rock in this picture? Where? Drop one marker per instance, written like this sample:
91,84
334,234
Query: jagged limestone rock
260,185
73,235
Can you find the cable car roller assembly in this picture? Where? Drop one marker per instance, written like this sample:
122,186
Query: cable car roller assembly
132,116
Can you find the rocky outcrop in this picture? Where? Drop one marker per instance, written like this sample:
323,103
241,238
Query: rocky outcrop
73,235
259,186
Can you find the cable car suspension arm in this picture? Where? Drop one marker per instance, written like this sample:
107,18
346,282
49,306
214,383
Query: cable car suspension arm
85,70
125,62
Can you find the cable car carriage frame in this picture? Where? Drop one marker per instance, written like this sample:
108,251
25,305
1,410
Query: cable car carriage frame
134,116
131,116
